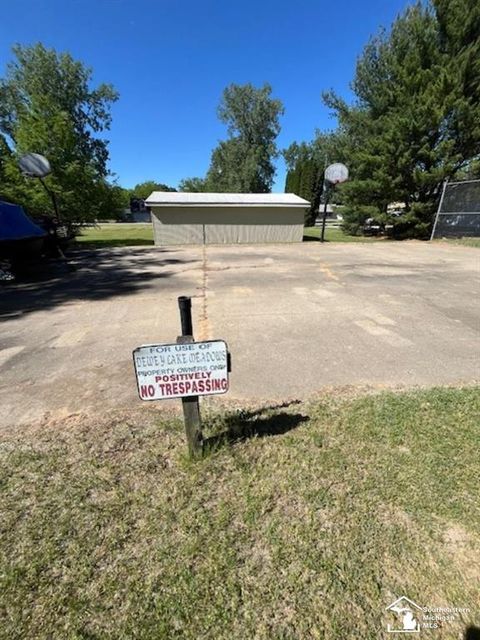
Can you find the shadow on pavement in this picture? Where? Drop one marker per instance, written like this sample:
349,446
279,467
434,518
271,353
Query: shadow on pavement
98,274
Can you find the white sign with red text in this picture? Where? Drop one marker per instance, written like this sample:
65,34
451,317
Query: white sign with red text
180,370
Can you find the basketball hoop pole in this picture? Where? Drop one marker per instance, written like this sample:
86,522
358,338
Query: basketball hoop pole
52,197
335,173
327,193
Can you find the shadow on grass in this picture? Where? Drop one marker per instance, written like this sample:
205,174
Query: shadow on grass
126,242
312,239
472,633
260,423
339,237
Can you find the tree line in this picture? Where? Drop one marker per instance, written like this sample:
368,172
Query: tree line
414,122
48,106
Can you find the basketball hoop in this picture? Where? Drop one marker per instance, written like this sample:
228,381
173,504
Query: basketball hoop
336,173
34,165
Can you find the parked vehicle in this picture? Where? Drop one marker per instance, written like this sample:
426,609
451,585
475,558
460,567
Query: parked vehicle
58,237
25,242
373,228
20,237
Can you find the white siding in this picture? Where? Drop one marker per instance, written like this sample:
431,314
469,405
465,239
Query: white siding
168,234
249,225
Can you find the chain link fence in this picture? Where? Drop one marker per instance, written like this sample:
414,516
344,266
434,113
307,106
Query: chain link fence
458,213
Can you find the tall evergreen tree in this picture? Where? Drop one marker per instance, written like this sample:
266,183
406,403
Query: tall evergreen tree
416,121
306,163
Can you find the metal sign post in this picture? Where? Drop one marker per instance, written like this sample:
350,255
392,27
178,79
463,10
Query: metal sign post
190,405
186,370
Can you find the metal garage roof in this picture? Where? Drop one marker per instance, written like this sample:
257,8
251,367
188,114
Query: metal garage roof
175,199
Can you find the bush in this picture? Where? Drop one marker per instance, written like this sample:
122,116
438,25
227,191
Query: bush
354,218
416,223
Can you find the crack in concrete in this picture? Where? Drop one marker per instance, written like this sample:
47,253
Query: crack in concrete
236,267
324,268
204,323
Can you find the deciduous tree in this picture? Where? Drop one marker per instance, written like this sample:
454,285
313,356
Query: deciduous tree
192,185
143,189
48,106
244,162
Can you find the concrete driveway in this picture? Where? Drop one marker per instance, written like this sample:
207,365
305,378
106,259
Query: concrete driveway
297,319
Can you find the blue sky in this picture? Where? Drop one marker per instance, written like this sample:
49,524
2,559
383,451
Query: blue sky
171,59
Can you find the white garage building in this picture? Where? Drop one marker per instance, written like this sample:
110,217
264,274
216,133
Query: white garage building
226,218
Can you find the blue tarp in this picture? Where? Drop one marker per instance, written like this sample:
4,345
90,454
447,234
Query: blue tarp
16,225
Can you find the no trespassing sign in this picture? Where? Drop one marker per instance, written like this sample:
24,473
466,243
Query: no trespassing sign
166,371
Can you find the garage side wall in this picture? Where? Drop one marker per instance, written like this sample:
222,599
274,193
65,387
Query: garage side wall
229,225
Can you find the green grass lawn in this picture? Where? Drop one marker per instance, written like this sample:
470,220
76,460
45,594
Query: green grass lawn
128,234
466,242
335,235
117,235
304,521
137,234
